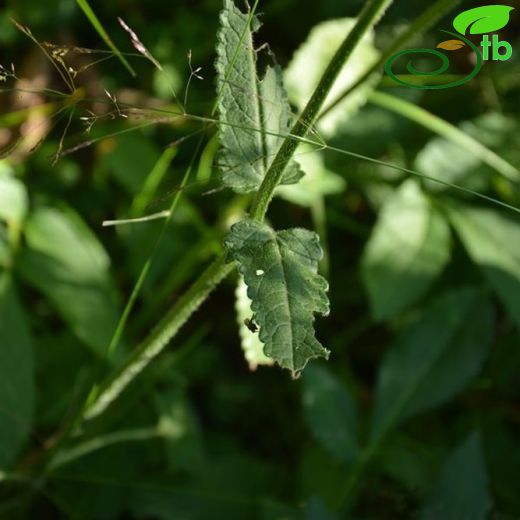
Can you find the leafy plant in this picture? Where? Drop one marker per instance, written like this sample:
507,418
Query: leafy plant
348,209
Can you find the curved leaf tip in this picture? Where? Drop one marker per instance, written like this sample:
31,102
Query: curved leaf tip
481,20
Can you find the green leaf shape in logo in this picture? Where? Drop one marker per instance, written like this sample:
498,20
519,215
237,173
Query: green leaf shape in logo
482,20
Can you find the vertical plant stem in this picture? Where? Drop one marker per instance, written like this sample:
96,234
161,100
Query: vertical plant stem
368,17
216,272
170,324
421,24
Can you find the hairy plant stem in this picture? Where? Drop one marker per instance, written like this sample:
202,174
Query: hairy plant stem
368,17
170,324
425,21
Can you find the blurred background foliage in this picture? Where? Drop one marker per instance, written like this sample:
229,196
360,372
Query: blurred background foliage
416,415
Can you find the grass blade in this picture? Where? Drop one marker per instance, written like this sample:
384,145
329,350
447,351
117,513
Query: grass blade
446,130
94,20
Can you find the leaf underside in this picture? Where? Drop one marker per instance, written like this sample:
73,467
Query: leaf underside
251,109
251,345
280,270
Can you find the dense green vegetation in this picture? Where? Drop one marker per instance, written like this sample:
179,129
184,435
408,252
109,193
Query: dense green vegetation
185,212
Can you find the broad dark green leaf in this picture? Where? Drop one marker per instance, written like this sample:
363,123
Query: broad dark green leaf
493,242
330,412
411,461
462,489
65,261
481,20
408,249
280,271
16,374
179,426
321,475
251,109
434,358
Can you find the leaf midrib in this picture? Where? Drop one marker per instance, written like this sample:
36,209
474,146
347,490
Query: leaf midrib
286,297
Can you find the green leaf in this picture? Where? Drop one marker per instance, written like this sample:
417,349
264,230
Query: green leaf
16,374
413,462
280,270
316,509
434,358
65,261
13,200
470,136
408,249
317,183
130,160
310,60
330,413
320,475
493,242
481,20
254,114
443,160
98,26
5,250
251,345
463,489
179,426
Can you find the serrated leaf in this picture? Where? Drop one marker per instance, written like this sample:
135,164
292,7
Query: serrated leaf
493,242
482,20
451,45
16,374
408,249
309,62
251,110
462,490
280,270
65,261
434,358
251,345
330,413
